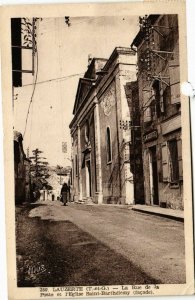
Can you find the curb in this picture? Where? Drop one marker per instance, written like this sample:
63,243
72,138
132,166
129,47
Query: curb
176,218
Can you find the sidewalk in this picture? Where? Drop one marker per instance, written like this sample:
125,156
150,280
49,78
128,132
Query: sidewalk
177,215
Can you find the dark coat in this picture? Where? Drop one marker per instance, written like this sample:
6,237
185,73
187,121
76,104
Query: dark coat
65,188
65,191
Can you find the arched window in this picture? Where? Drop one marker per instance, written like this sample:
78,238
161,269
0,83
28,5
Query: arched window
87,128
109,145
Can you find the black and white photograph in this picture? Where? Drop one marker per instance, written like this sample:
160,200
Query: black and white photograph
99,154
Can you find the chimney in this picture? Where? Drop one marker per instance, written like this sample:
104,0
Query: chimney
89,59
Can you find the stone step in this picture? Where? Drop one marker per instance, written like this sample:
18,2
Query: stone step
88,200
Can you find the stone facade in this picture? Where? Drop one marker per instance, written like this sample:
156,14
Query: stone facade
21,171
102,170
157,46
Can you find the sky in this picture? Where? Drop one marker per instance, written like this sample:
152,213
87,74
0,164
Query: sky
63,51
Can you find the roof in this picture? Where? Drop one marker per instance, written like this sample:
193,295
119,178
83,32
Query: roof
63,171
95,65
117,51
82,82
90,75
86,82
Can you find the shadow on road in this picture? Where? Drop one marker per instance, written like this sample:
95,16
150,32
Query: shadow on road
51,253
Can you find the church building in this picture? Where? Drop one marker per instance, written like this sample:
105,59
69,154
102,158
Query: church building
106,167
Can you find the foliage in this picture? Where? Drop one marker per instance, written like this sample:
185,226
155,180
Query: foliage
39,169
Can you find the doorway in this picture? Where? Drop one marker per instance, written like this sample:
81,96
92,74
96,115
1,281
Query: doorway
153,177
88,178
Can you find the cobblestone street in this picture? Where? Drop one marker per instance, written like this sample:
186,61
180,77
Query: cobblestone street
96,245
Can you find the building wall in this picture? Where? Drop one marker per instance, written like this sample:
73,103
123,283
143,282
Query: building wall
117,178
111,176
21,174
106,106
136,161
88,153
161,119
126,74
75,172
170,194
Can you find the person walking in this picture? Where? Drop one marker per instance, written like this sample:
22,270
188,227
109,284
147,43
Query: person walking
65,193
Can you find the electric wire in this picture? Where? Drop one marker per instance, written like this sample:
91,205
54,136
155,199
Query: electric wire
72,23
33,92
31,126
54,79
60,88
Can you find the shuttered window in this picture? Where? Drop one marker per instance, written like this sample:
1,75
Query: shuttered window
174,165
174,73
147,115
180,162
165,168
162,108
146,106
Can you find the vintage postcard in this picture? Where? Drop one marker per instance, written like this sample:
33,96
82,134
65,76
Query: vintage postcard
97,150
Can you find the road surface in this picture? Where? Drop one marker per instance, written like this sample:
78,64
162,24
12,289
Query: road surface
96,245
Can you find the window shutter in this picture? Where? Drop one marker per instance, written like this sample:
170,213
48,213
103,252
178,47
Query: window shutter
174,73
147,115
146,102
161,98
165,168
180,162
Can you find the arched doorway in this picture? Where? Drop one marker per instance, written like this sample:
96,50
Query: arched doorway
88,178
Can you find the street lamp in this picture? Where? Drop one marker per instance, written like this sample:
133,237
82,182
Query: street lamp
187,89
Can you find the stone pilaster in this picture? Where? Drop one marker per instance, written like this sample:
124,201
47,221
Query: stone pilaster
79,164
98,153
127,180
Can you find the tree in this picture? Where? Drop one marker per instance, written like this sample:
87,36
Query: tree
39,167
